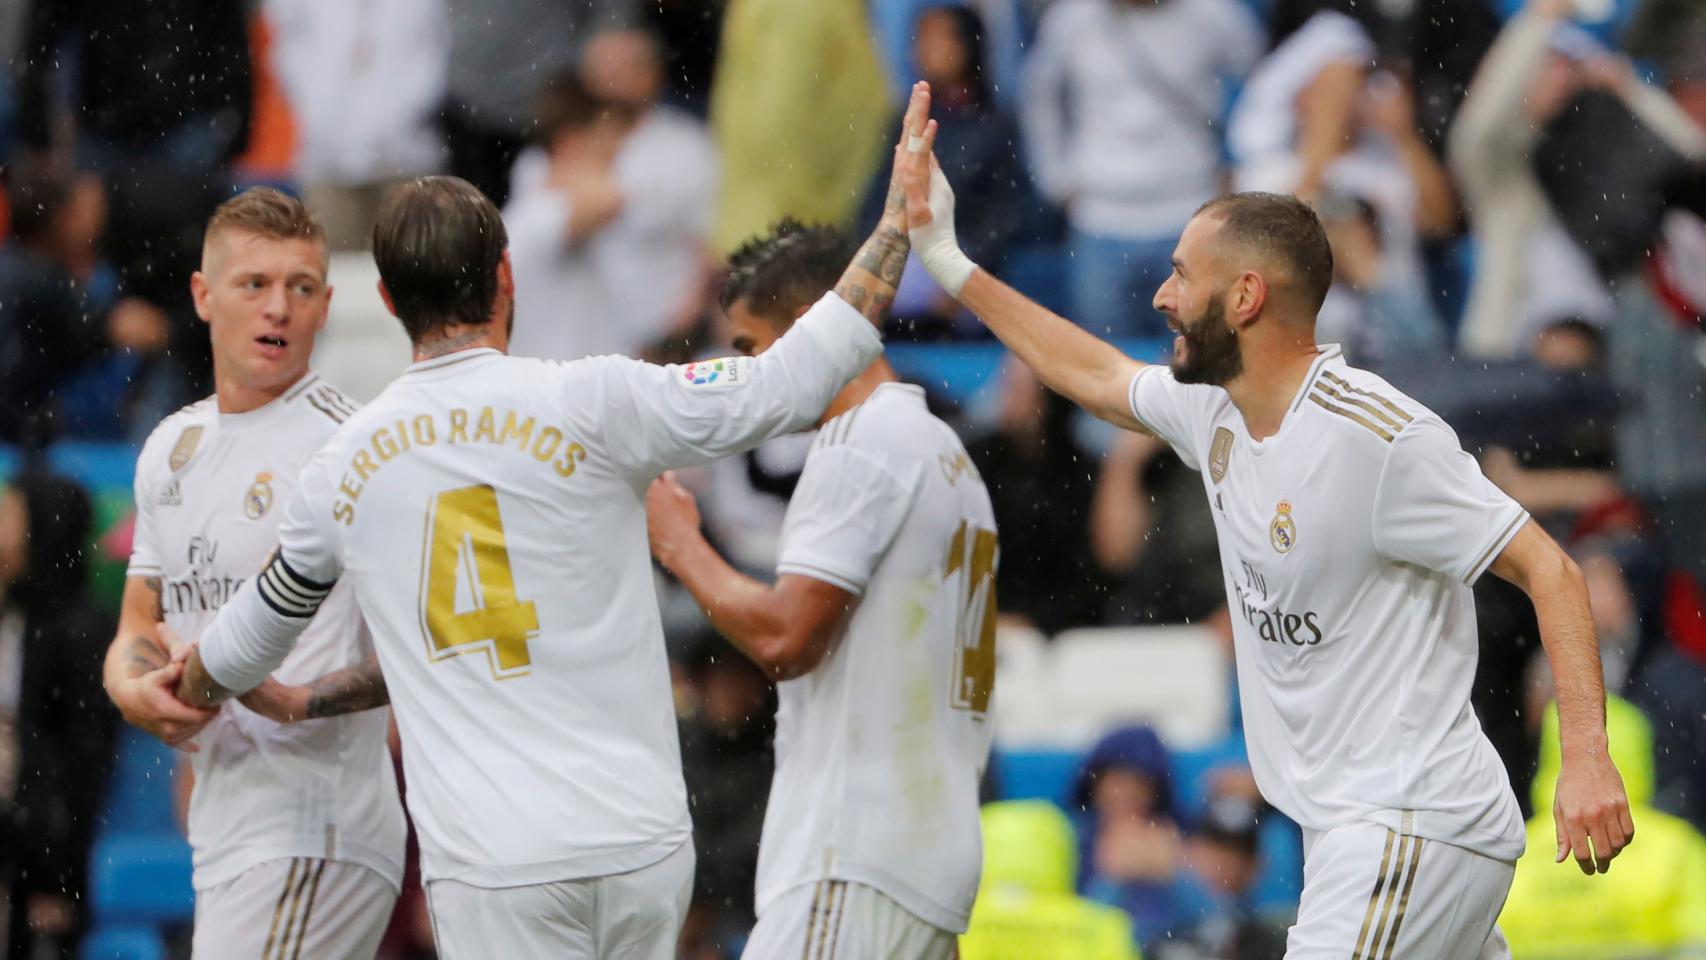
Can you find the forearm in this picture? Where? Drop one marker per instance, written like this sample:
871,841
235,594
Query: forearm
1119,517
350,690
1068,359
1326,122
1493,114
1436,201
197,688
869,283
136,648
742,609
1560,601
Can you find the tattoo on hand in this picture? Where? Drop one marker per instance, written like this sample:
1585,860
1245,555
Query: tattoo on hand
350,690
143,656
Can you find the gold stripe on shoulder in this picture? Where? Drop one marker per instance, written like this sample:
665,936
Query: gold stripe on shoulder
1397,411
1378,431
1352,401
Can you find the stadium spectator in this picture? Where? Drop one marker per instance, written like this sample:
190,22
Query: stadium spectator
1040,482
1653,904
976,141
1121,113
1215,913
70,345
1026,909
1129,838
364,83
56,729
499,52
163,82
1538,67
798,108
1315,119
1153,536
895,23
1376,310
727,761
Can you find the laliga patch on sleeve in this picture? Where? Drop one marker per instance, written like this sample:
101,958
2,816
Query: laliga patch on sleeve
725,372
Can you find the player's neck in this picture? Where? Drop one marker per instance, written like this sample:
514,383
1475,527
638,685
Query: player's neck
235,397
859,389
1270,381
455,339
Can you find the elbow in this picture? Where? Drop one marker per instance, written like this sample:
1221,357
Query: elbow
786,655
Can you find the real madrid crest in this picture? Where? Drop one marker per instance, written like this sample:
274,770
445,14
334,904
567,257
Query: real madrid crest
258,500
1282,532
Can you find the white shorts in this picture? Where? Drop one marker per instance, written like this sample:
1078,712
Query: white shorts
834,918
624,916
294,908
1372,894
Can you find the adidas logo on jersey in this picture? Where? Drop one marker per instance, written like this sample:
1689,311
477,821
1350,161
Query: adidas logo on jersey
171,496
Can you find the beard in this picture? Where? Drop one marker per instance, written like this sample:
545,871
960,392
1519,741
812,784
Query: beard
1211,352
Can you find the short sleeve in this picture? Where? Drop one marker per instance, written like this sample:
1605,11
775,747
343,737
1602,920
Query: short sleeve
1169,409
657,418
1434,508
843,516
144,541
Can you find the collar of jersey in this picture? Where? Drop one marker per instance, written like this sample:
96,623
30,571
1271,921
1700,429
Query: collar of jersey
266,411
448,359
1329,353
910,389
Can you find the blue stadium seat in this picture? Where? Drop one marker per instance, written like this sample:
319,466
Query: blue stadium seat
141,879
123,943
140,797
1039,271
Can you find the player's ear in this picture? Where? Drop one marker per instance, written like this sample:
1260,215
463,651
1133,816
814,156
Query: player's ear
1248,295
325,310
199,294
385,295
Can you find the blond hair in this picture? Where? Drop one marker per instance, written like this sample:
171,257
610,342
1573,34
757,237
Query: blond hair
268,213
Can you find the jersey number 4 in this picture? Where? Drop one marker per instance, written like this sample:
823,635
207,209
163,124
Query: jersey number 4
466,556
971,557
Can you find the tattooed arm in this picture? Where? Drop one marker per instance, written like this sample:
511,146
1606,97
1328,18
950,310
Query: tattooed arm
869,284
350,690
139,673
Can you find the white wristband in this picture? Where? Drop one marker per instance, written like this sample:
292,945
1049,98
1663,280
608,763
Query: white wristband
937,247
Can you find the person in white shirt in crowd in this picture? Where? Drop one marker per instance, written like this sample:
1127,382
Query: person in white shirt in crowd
1351,526
1121,114
879,627
489,513
296,831
1315,118
1529,272
364,82
610,214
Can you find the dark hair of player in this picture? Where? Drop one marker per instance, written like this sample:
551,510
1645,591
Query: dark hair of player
783,271
1283,230
438,242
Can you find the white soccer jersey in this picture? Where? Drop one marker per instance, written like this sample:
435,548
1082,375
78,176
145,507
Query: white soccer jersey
490,513
880,748
1349,540
210,492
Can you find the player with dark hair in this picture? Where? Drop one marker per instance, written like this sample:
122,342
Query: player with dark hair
880,630
1351,526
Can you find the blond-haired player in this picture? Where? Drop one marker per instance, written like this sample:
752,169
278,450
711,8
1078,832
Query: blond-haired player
297,830
489,512
1351,524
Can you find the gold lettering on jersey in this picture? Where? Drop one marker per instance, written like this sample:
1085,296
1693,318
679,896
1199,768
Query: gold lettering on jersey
955,465
972,554
184,449
1219,454
425,433
1282,532
487,428
523,433
494,425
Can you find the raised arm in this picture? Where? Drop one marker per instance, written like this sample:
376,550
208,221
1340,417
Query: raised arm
350,690
1591,804
785,628
138,673
1074,363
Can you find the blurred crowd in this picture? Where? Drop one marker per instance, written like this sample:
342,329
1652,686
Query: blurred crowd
1515,192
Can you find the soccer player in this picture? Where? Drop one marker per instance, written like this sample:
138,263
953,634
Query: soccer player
880,628
490,513
297,831
1351,525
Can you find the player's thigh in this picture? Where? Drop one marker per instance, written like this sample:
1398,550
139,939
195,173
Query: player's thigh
834,918
294,907
1371,894
540,922
640,912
